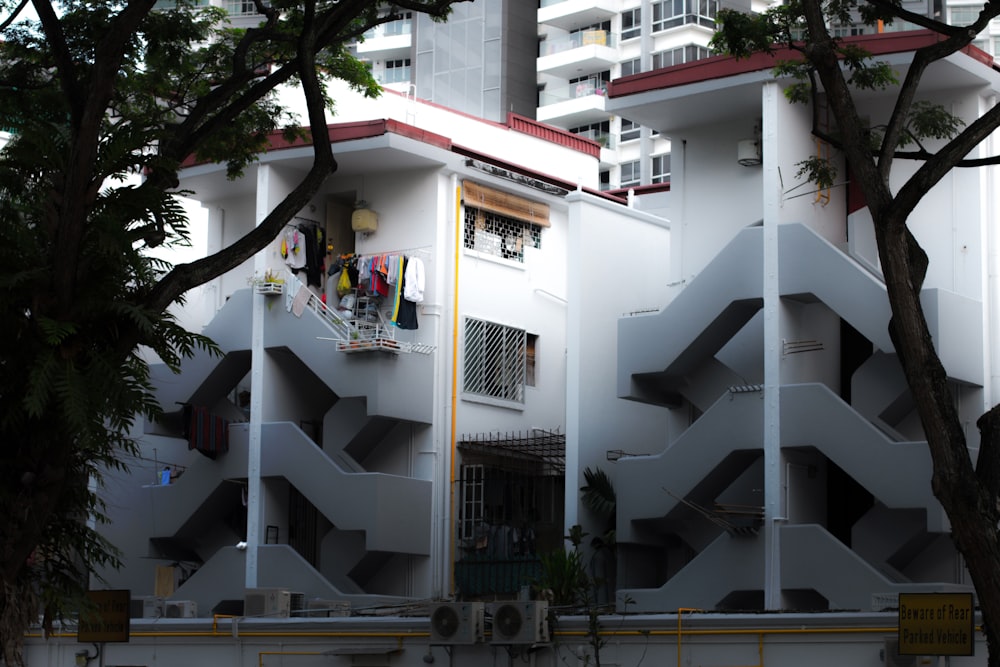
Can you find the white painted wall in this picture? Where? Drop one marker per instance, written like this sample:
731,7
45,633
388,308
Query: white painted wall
617,263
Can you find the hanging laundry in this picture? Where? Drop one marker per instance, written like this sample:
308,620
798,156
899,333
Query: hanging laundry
293,248
406,311
414,280
207,433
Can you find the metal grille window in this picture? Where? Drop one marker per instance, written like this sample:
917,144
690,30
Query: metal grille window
495,360
499,235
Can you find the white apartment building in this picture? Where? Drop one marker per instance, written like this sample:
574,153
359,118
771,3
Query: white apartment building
383,493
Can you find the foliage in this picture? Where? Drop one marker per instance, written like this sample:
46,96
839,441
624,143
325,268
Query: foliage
968,491
103,102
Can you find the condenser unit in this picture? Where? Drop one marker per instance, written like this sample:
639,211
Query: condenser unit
520,622
457,623
180,609
147,606
267,602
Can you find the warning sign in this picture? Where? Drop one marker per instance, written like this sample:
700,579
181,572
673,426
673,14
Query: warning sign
109,622
936,624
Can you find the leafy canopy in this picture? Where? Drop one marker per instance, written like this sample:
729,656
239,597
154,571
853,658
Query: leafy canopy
785,28
101,103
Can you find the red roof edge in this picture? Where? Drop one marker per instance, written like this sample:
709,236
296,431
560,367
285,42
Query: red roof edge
338,132
553,135
718,67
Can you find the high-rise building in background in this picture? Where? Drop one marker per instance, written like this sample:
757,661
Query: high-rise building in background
553,62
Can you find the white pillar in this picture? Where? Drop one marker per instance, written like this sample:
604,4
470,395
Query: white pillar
771,97
255,508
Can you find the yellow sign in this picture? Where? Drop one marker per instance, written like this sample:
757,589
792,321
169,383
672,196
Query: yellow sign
110,620
936,624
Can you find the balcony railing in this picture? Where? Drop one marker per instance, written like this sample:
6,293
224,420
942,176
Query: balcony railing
605,139
391,29
394,75
593,86
477,575
577,40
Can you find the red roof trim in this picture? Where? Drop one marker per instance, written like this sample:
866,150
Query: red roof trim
340,132
718,67
553,135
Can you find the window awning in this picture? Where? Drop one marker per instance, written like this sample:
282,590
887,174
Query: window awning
504,203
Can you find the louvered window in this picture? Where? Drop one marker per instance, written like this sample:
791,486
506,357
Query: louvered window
495,360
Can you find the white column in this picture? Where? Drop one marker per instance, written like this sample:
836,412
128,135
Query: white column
255,508
771,97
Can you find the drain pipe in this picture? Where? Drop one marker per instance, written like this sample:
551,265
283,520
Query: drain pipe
450,512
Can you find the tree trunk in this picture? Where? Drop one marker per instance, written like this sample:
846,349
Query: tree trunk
969,503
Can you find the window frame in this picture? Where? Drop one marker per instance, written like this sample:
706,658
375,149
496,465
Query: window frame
657,173
634,28
635,172
495,362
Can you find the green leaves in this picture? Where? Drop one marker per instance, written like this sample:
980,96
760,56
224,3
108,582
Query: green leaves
927,120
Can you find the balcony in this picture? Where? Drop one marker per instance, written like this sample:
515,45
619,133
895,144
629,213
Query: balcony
389,40
572,105
587,51
571,14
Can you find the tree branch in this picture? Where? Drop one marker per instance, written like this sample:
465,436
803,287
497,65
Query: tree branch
13,15
186,276
65,66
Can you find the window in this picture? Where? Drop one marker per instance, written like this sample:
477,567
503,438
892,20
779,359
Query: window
680,55
631,23
605,178
401,26
672,13
847,30
631,67
589,84
397,71
240,7
500,223
661,169
629,130
531,342
599,132
964,15
629,174
496,360
499,235
604,26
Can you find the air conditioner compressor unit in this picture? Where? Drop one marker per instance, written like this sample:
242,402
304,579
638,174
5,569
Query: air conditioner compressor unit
180,609
521,622
274,602
147,606
457,623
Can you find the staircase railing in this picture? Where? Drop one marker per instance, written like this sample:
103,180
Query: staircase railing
364,332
